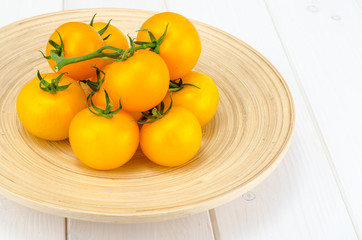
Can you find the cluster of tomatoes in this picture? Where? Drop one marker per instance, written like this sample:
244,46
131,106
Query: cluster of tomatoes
109,94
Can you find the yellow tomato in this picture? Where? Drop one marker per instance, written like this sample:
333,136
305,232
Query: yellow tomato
201,101
48,115
141,82
99,97
103,143
172,140
181,48
78,39
115,39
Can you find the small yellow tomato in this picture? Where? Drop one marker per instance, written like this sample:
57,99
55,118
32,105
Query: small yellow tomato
141,82
201,100
48,115
79,39
172,140
103,143
181,48
114,37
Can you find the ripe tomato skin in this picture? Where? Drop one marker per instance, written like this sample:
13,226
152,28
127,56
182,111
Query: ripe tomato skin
116,39
141,82
79,39
201,102
103,143
47,115
173,140
181,47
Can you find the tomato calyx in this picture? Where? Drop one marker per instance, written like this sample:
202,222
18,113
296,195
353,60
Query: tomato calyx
95,86
58,50
177,86
155,114
156,42
107,112
103,29
53,86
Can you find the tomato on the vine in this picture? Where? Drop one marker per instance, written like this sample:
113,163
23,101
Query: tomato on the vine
112,37
181,47
103,139
141,82
78,39
201,99
47,114
103,143
172,140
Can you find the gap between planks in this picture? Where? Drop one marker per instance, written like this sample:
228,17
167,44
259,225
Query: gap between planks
66,228
315,121
214,224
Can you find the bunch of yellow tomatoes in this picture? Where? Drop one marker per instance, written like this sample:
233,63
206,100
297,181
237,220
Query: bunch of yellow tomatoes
109,94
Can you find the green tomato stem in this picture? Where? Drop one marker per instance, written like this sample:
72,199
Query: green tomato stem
57,54
61,61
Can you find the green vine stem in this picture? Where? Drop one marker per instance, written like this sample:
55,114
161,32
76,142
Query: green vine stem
107,112
154,114
95,86
57,54
52,86
175,86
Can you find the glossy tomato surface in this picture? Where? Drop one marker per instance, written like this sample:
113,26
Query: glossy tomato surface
173,140
48,115
141,82
201,101
181,48
103,143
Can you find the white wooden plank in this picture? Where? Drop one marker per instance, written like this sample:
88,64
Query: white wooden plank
19,223
154,5
192,227
359,2
16,221
301,200
323,40
11,11
196,227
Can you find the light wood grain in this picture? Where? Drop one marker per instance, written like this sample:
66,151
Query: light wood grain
323,42
301,199
241,146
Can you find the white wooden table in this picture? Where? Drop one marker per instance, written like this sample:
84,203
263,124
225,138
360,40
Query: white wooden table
316,192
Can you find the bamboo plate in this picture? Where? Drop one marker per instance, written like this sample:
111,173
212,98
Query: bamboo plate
242,144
